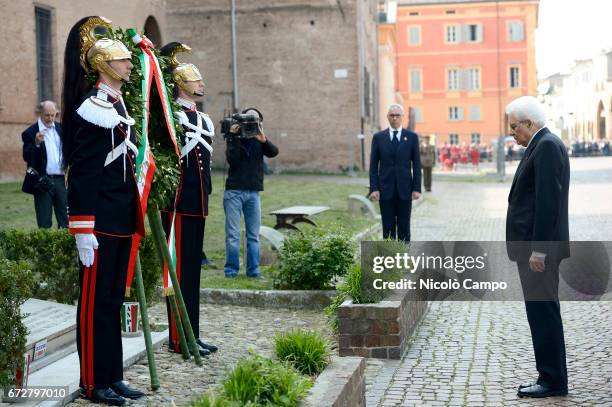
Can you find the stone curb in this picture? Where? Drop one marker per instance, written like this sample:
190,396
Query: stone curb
288,299
342,383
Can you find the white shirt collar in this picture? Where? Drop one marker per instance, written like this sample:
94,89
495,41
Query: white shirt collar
42,127
399,133
186,103
534,134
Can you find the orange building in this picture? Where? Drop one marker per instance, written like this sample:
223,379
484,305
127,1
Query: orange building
460,62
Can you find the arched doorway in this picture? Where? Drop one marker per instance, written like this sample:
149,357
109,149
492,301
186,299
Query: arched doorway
151,30
601,121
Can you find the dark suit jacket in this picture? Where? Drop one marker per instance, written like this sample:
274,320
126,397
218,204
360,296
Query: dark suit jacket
390,167
36,157
538,200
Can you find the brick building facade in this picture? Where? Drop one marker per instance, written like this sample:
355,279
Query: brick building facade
310,66
34,37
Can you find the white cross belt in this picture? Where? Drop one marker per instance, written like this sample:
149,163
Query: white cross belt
194,140
120,150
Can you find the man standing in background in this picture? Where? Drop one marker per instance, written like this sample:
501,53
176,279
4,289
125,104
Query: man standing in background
428,160
42,151
395,175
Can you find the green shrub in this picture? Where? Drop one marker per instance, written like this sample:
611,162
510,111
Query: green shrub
258,381
310,260
52,256
15,282
307,351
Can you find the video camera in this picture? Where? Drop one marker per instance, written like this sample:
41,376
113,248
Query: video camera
248,123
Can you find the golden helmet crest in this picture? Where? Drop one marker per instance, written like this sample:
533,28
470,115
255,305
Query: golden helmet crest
183,72
96,53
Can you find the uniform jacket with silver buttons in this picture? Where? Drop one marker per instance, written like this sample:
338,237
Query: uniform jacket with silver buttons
102,190
195,184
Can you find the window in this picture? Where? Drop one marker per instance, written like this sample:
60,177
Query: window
515,31
515,79
475,138
475,112
453,138
455,113
414,35
414,13
473,78
44,54
415,81
452,34
452,79
418,114
473,32
450,11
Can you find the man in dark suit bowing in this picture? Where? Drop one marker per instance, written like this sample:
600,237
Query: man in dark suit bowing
42,151
395,175
537,235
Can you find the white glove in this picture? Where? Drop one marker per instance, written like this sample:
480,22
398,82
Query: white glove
86,244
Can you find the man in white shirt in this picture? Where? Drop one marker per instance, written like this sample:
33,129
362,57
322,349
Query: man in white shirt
42,151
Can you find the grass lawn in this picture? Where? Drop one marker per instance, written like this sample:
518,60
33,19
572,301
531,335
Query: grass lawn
17,212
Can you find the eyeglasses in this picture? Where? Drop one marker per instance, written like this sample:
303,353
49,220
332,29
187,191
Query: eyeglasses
395,115
514,126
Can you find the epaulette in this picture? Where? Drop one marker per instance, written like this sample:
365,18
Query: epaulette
208,120
99,112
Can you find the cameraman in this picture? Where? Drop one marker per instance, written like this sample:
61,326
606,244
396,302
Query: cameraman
245,179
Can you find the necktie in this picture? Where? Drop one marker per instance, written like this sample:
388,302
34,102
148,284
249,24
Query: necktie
395,141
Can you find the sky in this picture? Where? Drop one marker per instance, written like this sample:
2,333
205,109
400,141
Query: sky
569,30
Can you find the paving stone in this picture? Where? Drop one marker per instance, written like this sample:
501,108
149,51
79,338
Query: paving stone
484,349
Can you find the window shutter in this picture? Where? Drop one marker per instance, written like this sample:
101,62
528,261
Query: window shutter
479,33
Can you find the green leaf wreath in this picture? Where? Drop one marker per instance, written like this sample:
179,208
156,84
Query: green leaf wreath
166,179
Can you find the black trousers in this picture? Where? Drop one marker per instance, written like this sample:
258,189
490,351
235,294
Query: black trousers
395,214
98,314
189,237
56,199
427,178
544,317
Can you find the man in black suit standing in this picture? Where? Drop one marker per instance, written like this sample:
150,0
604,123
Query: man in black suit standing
42,151
537,235
395,175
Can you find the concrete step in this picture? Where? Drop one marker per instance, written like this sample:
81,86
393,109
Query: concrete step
52,331
65,371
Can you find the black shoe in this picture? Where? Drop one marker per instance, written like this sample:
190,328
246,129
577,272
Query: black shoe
525,385
203,351
107,396
121,389
540,391
211,348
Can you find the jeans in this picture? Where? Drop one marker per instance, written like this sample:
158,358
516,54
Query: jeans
235,202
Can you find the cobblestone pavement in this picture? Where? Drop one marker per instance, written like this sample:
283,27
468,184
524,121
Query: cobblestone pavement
477,353
234,329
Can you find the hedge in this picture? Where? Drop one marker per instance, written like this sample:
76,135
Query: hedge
52,256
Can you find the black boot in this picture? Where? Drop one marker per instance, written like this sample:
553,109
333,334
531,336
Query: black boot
107,396
211,348
121,389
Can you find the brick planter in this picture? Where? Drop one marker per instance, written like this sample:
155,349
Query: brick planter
378,330
342,383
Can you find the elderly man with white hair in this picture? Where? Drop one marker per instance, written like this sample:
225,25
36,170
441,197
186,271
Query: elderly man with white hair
42,151
537,235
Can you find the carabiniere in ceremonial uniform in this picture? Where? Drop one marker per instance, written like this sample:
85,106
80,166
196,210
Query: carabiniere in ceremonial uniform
191,203
102,204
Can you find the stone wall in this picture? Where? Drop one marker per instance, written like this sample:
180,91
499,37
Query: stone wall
289,56
379,330
342,383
